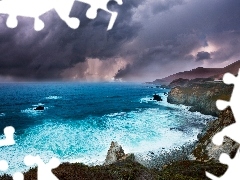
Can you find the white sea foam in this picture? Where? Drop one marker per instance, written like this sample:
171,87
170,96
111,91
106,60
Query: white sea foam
39,104
88,140
32,112
149,99
2,114
53,97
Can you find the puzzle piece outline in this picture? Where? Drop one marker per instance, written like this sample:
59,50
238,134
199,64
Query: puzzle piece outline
229,131
44,171
62,7
7,141
9,136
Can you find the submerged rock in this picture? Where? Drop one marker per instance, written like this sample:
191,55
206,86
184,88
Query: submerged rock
39,108
157,97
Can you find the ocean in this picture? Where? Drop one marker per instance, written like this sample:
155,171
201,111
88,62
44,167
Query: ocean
81,119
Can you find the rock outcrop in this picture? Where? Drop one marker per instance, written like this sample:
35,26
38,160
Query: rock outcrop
205,150
201,96
115,153
157,97
179,82
39,108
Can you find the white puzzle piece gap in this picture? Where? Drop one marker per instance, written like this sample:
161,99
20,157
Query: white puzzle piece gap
18,176
231,131
36,8
232,172
3,165
101,4
44,170
9,139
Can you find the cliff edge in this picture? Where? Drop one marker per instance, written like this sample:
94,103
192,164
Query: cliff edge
200,95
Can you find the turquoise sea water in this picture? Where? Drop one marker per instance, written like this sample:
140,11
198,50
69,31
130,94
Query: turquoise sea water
81,119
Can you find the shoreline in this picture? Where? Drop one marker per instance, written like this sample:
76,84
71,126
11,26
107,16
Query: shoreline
73,164
145,153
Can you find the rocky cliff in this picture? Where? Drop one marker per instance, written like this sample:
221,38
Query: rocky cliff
205,150
200,95
200,72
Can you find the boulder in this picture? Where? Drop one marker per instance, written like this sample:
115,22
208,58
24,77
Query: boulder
157,97
39,108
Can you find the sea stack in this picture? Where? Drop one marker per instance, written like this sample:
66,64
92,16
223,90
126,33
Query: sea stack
115,153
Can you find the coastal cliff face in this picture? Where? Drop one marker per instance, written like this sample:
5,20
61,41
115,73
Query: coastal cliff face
201,96
200,72
205,150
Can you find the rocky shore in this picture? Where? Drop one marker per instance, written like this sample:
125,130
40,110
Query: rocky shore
201,95
119,165
205,150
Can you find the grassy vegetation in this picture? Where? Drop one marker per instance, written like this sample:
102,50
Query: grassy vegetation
131,170
191,170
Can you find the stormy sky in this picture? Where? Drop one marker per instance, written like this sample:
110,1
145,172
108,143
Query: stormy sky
150,39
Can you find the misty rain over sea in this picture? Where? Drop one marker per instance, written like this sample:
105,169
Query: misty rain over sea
80,120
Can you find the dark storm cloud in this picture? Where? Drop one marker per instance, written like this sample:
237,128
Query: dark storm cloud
160,6
174,36
27,54
203,55
168,56
151,39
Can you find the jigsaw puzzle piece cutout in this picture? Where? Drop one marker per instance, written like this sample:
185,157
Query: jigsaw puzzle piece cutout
3,165
27,8
44,170
230,131
229,78
9,136
101,4
234,100
12,21
18,176
36,8
232,172
221,104
63,9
